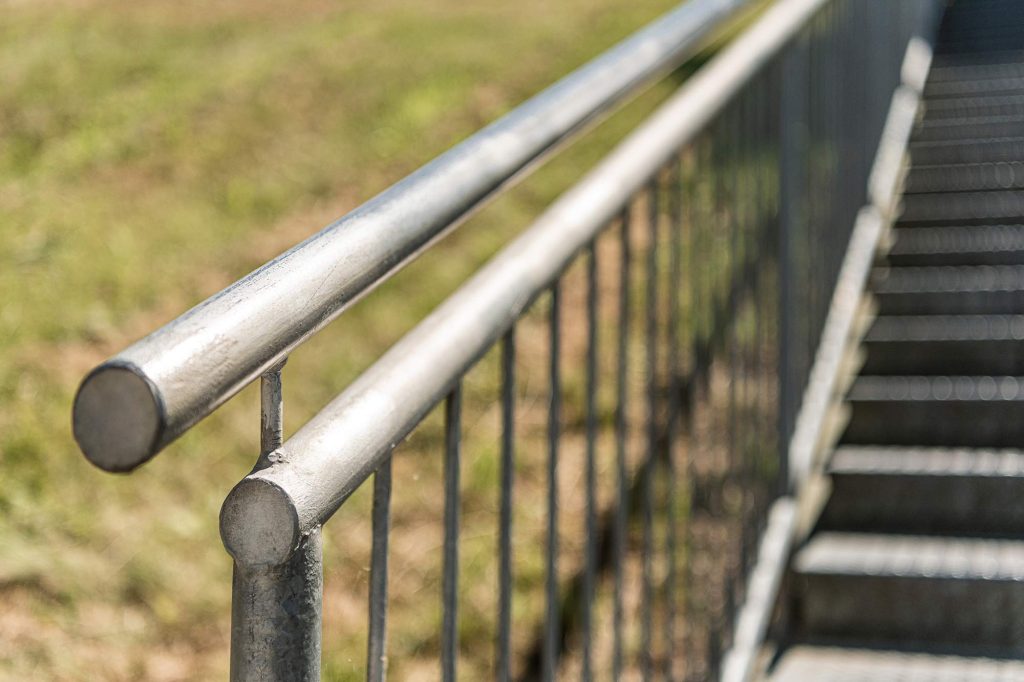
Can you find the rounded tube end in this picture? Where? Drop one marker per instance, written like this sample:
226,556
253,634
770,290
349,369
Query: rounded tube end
259,523
118,417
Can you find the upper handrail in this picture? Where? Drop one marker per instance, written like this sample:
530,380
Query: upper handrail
137,402
315,470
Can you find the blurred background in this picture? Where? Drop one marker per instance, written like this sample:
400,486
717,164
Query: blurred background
151,153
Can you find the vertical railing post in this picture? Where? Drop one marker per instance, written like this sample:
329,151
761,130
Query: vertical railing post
376,638
275,617
792,122
276,608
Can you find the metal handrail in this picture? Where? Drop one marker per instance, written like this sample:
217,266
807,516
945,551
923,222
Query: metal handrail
754,169
342,445
137,402
271,521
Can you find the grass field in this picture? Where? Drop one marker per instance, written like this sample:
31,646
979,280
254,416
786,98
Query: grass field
152,153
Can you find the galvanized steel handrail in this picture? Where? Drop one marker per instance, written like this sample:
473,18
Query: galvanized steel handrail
757,166
327,459
137,402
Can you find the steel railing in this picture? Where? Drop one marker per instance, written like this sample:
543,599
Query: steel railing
721,223
174,377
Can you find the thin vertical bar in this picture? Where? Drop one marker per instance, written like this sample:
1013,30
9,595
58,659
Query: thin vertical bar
695,216
621,426
704,275
271,412
508,397
651,303
590,570
746,312
791,142
720,234
376,647
732,129
762,287
452,498
764,261
552,625
675,282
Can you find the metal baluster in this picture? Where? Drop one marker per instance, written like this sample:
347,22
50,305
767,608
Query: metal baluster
748,422
651,379
621,426
376,648
791,186
675,282
695,218
452,498
590,570
271,412
732,130
761,286
770,200
508,399
754,241
552,625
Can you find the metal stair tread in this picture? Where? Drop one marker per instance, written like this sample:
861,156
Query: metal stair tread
982,84
926,461
991,204
958,239
918,328
964,177
807,663
937,388
948,279
911,556
988,105
1010,68
966,150
1004,140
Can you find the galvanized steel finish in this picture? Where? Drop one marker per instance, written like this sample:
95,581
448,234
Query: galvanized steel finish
137,402
324,462
744,188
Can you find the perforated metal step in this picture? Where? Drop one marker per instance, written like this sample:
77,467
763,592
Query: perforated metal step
911,589
945,345
949,279
935,462
944,207
974,107
958,245
1007,67
912,556
978,81
836,664
959,411
976,150
950,290
965,176
926,490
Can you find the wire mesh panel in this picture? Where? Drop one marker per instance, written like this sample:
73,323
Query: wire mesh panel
573,457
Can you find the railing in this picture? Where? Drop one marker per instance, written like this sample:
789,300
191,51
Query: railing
680,289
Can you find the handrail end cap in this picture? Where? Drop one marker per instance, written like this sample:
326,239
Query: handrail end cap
259,523
118,418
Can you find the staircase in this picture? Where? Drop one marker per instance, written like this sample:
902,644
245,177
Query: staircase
915,569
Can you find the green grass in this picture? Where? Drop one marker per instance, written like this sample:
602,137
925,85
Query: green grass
152,153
